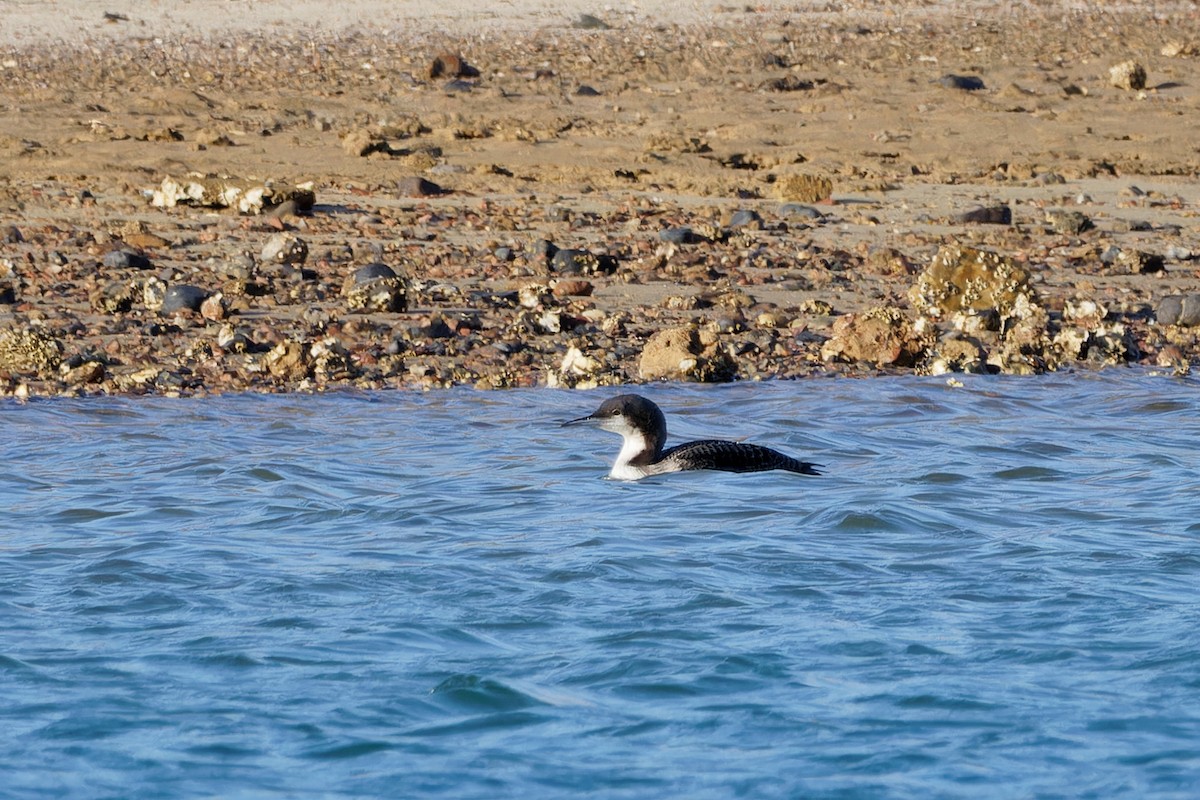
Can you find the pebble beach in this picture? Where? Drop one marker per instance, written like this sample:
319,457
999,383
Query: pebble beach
227,196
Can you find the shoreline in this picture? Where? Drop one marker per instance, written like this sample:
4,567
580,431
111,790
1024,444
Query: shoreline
752,199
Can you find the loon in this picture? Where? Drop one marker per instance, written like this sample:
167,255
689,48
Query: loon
644,429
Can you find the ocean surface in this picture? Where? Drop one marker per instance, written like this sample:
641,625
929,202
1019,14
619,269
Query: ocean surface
994,592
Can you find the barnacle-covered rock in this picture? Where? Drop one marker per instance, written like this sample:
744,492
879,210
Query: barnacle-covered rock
967,281
24,350
956,353
376,287
569,261
289,361
1128,75
285,248
246,196
881,336
685,353
114,297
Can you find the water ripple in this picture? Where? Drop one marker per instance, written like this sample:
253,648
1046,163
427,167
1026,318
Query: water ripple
439,594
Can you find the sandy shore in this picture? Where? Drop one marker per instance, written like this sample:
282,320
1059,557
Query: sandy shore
35,22
684,191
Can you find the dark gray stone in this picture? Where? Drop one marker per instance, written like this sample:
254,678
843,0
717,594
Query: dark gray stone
182,296
680,235
373,272
581,262
416,186
988,215
1183,310
589,22
966,83
126,259
744,218
799,211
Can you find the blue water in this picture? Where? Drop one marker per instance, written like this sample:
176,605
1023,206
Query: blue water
994,592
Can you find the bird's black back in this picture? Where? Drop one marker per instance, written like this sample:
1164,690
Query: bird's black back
734,457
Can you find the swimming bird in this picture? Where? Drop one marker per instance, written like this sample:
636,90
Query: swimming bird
644,428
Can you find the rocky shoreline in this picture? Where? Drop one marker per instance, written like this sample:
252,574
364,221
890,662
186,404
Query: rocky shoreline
770,196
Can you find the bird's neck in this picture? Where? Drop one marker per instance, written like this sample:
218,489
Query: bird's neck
638,452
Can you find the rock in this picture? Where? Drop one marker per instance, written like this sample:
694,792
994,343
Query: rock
589,22
804,188
213,308
361,142
1128,75
89,371
114,297
210,137
966,83
966,281
1174,358
573,288
1177,252
1140,263
1071,343
331,361
288,361
451,65
680,235
125,259
246,196
576,365
587,91
154,292
746,218
182,297
285,248
144,240
376,288
988,215
788,83
1112,344
580,262
373,272
1084,313
233,340
1068,223
1026,348
817,307
880,336
1183,311
435,328
800,211
25,350
957,354
8,294
532,295
681,354
544,321
415,186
